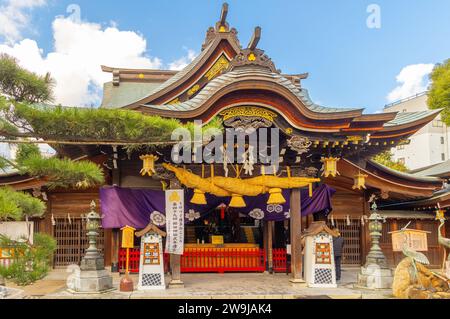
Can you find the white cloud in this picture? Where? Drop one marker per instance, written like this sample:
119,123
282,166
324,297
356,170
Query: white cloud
183,61
14,17
79,50
412,79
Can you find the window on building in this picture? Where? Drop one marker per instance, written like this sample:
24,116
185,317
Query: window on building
404,110
437,123
442,140
443,156
401,160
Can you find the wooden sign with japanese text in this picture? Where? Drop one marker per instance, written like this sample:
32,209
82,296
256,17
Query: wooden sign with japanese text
127,237
175,221
416,239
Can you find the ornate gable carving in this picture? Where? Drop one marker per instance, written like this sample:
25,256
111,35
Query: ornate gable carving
254,57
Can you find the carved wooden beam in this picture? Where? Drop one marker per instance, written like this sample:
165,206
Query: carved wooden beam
255,39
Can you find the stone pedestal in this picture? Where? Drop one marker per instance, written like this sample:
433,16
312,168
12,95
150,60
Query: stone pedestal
93,281
298,283
176,283
374,276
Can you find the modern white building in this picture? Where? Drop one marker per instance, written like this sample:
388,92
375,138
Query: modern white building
427,147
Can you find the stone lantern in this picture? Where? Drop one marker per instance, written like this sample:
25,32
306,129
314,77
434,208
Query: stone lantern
92,260
375,274
92,277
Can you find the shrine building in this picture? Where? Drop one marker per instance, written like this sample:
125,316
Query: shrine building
242,215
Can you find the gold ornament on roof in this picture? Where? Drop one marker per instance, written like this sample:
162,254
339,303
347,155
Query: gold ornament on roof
330,166
359,181
251,57
193,90
174,101
222,29
251,111
141,75
221,64
148,164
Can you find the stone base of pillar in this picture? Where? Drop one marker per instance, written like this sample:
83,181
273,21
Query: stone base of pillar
298,283
375,277
91,281
173,284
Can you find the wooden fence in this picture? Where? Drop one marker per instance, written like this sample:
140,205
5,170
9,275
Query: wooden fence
207,260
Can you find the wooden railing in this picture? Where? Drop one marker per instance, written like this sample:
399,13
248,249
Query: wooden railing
279,257
206,260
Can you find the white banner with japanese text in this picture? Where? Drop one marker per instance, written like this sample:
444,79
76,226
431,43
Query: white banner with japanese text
175,221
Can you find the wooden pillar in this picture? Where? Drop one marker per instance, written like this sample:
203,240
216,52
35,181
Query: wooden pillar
266,242
175,260
296,244
115,250
270,225
175,266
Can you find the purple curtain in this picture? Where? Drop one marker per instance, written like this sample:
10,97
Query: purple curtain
136,207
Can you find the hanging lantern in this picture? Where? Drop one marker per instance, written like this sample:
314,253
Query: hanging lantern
330,166
149,164
199,197
237,201
276,197
359,181
440,214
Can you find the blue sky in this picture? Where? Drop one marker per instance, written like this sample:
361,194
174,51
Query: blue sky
350,65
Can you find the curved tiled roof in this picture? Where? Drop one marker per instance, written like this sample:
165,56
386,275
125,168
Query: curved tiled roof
408,117
240,74
402,175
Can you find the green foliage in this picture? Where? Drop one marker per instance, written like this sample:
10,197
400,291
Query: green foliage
30,262
23,85
439,94
88,124
63,172
25,151
385,159
16,205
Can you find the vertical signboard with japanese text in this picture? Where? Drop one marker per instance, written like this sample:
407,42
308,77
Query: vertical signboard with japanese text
175,221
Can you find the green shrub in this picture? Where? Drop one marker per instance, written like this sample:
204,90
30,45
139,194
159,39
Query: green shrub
30,262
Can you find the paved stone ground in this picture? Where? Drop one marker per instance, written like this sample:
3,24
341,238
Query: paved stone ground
212,286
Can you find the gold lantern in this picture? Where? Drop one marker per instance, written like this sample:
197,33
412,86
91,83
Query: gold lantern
276,197
237,201
330,166
440,214
359,181
199,197
148,166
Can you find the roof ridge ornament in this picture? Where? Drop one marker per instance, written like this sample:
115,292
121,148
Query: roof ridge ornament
221,27
253,56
